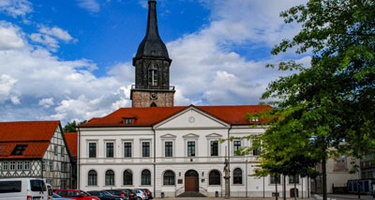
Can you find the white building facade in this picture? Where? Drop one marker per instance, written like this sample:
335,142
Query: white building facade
179,153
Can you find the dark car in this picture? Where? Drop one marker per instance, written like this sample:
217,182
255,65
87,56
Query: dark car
104,195
147,192
124,193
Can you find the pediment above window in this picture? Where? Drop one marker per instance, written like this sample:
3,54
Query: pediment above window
168,136
191,135
214,135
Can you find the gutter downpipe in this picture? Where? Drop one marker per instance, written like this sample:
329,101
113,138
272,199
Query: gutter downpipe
153,130
230,128
79,160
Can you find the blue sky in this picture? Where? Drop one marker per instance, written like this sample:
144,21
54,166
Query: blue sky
71,59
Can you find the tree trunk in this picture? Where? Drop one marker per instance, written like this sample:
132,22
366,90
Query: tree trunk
295,187
276,196
284,188
324,171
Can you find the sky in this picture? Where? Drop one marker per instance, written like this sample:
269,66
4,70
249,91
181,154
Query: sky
72,59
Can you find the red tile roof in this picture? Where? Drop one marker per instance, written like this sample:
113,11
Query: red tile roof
35,134
150,116
71,142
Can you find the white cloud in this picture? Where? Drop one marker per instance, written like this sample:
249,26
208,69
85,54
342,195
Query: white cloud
10,37
15,8
46,102
57,32
90,5
46,40
6,85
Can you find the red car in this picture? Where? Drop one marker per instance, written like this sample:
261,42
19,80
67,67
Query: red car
76,194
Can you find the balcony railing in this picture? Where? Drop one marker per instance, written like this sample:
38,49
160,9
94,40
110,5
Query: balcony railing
170,88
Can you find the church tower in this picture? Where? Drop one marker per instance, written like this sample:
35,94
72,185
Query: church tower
152,64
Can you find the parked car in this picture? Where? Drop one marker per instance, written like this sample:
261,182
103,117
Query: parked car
141,194
23,189
76,194
125,193
104,195
58,197
147,191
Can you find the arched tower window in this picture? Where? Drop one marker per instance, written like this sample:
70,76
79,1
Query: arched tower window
153,104
153,75
92,178
146,177
128,177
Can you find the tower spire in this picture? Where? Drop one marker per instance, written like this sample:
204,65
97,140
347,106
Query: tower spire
152,45
152,64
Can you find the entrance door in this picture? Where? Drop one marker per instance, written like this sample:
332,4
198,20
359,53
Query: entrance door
191,181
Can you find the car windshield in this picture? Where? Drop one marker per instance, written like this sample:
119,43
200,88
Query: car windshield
84,193
107,193
38,186
56,195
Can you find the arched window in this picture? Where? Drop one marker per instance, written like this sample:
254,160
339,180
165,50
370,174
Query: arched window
153,104
214,178
109,177
168,178
237,176
92,178
128,177
146,177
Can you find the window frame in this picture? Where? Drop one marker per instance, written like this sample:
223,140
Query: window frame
109,179
217,148
171,148
169,180
211,180
188,148
107,151
237,177
90,179
142,148
124,181
236,147
131,149
89,155
146,180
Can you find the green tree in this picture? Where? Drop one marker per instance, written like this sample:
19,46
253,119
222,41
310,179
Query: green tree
328,107
71,126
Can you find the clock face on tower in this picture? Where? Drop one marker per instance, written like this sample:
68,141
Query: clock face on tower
153,96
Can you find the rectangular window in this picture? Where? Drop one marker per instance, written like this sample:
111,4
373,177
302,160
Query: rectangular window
27,165
92,150
109,149
291,179
12,165
127,149
10,186
55,150
50,166
145,149
19,165
62,152
214,148
256,152
275,178
168,149
5,165
191,148
237,147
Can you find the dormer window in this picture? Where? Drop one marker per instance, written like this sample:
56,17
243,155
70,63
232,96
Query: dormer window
128,121
255,119
19,150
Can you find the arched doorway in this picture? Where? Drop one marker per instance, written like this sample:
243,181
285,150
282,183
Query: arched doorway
191,181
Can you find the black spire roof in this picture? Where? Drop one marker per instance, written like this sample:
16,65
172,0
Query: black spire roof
152,45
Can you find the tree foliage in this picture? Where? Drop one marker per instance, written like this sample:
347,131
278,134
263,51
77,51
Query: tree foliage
328,107
70,127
